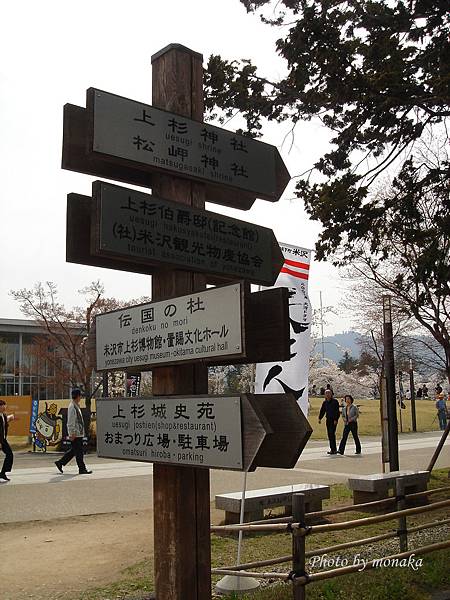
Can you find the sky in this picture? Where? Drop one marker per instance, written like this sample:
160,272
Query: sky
52,51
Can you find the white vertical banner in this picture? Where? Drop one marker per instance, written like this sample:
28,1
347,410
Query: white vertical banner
292,375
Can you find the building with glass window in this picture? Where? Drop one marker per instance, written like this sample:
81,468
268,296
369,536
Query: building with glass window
24,370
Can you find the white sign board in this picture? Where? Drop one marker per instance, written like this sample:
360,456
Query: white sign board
192,327
196,431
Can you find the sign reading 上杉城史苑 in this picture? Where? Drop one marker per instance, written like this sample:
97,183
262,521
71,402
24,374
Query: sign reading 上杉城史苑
131,225
125,130
192,327
196,431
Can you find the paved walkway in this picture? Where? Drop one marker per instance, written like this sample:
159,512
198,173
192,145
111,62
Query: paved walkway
38,491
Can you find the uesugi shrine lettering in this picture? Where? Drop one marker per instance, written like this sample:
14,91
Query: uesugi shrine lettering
132,225
200,431
192,327
137,132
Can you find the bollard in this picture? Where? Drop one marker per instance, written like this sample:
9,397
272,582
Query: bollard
402,531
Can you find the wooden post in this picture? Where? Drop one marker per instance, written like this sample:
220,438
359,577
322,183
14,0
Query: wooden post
389,371
412,392
400,494
439,448
298,544
181,494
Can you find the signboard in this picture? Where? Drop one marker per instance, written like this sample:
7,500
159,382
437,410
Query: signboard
20,406
192,327
139,227
140,134
34,414
227,432
194,431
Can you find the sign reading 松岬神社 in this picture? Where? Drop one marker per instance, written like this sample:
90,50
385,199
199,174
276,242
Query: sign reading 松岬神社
192,327
195,431
138,133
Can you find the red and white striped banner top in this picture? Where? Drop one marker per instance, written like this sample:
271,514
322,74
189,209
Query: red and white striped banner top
295,268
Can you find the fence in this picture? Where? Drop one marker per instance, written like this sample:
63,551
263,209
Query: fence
297,527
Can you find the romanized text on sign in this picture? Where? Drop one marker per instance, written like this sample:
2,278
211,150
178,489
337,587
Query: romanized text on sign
192,327
141,133
196,431
134,225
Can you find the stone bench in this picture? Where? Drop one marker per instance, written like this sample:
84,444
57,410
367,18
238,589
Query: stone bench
367,488
256,501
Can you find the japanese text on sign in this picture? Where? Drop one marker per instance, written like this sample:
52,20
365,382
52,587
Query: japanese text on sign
192,327
138,225
145,134
193,431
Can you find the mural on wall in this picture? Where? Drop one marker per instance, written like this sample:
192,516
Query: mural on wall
48,428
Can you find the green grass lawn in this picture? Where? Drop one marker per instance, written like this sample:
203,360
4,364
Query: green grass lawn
368,423
369,420
377,584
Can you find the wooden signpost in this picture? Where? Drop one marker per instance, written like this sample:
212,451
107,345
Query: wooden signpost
238,433
226,330
167,147
144,140
129,225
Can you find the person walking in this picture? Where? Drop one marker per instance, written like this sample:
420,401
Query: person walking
75,431
330,408
441,408
6,448
350,415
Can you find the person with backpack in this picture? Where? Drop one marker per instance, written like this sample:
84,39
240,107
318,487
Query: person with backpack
350,414
441,408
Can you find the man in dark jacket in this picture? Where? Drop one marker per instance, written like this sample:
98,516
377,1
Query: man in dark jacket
330,408
9,457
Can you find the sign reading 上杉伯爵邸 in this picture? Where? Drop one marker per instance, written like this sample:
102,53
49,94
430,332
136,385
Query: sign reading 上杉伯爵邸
131,225
140,134
192,327
196,431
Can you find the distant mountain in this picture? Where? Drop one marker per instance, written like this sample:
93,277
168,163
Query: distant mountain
424,359
336,345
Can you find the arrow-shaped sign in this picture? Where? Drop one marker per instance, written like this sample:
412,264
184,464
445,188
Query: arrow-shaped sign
287,430
225,432
138,338
260,173
143,135
137,227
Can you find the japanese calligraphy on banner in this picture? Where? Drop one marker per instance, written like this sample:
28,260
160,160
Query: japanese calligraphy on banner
133,383
196,431
192,327
141,133
292,376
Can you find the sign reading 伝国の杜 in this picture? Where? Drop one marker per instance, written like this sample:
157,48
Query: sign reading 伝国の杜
192,327
292,375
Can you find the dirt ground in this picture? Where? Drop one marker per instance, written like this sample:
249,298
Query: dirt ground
60,559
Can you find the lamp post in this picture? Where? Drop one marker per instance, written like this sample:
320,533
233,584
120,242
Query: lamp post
389,370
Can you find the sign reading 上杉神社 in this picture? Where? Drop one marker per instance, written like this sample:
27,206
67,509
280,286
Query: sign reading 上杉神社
131,225
196,431
138,133
192,327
